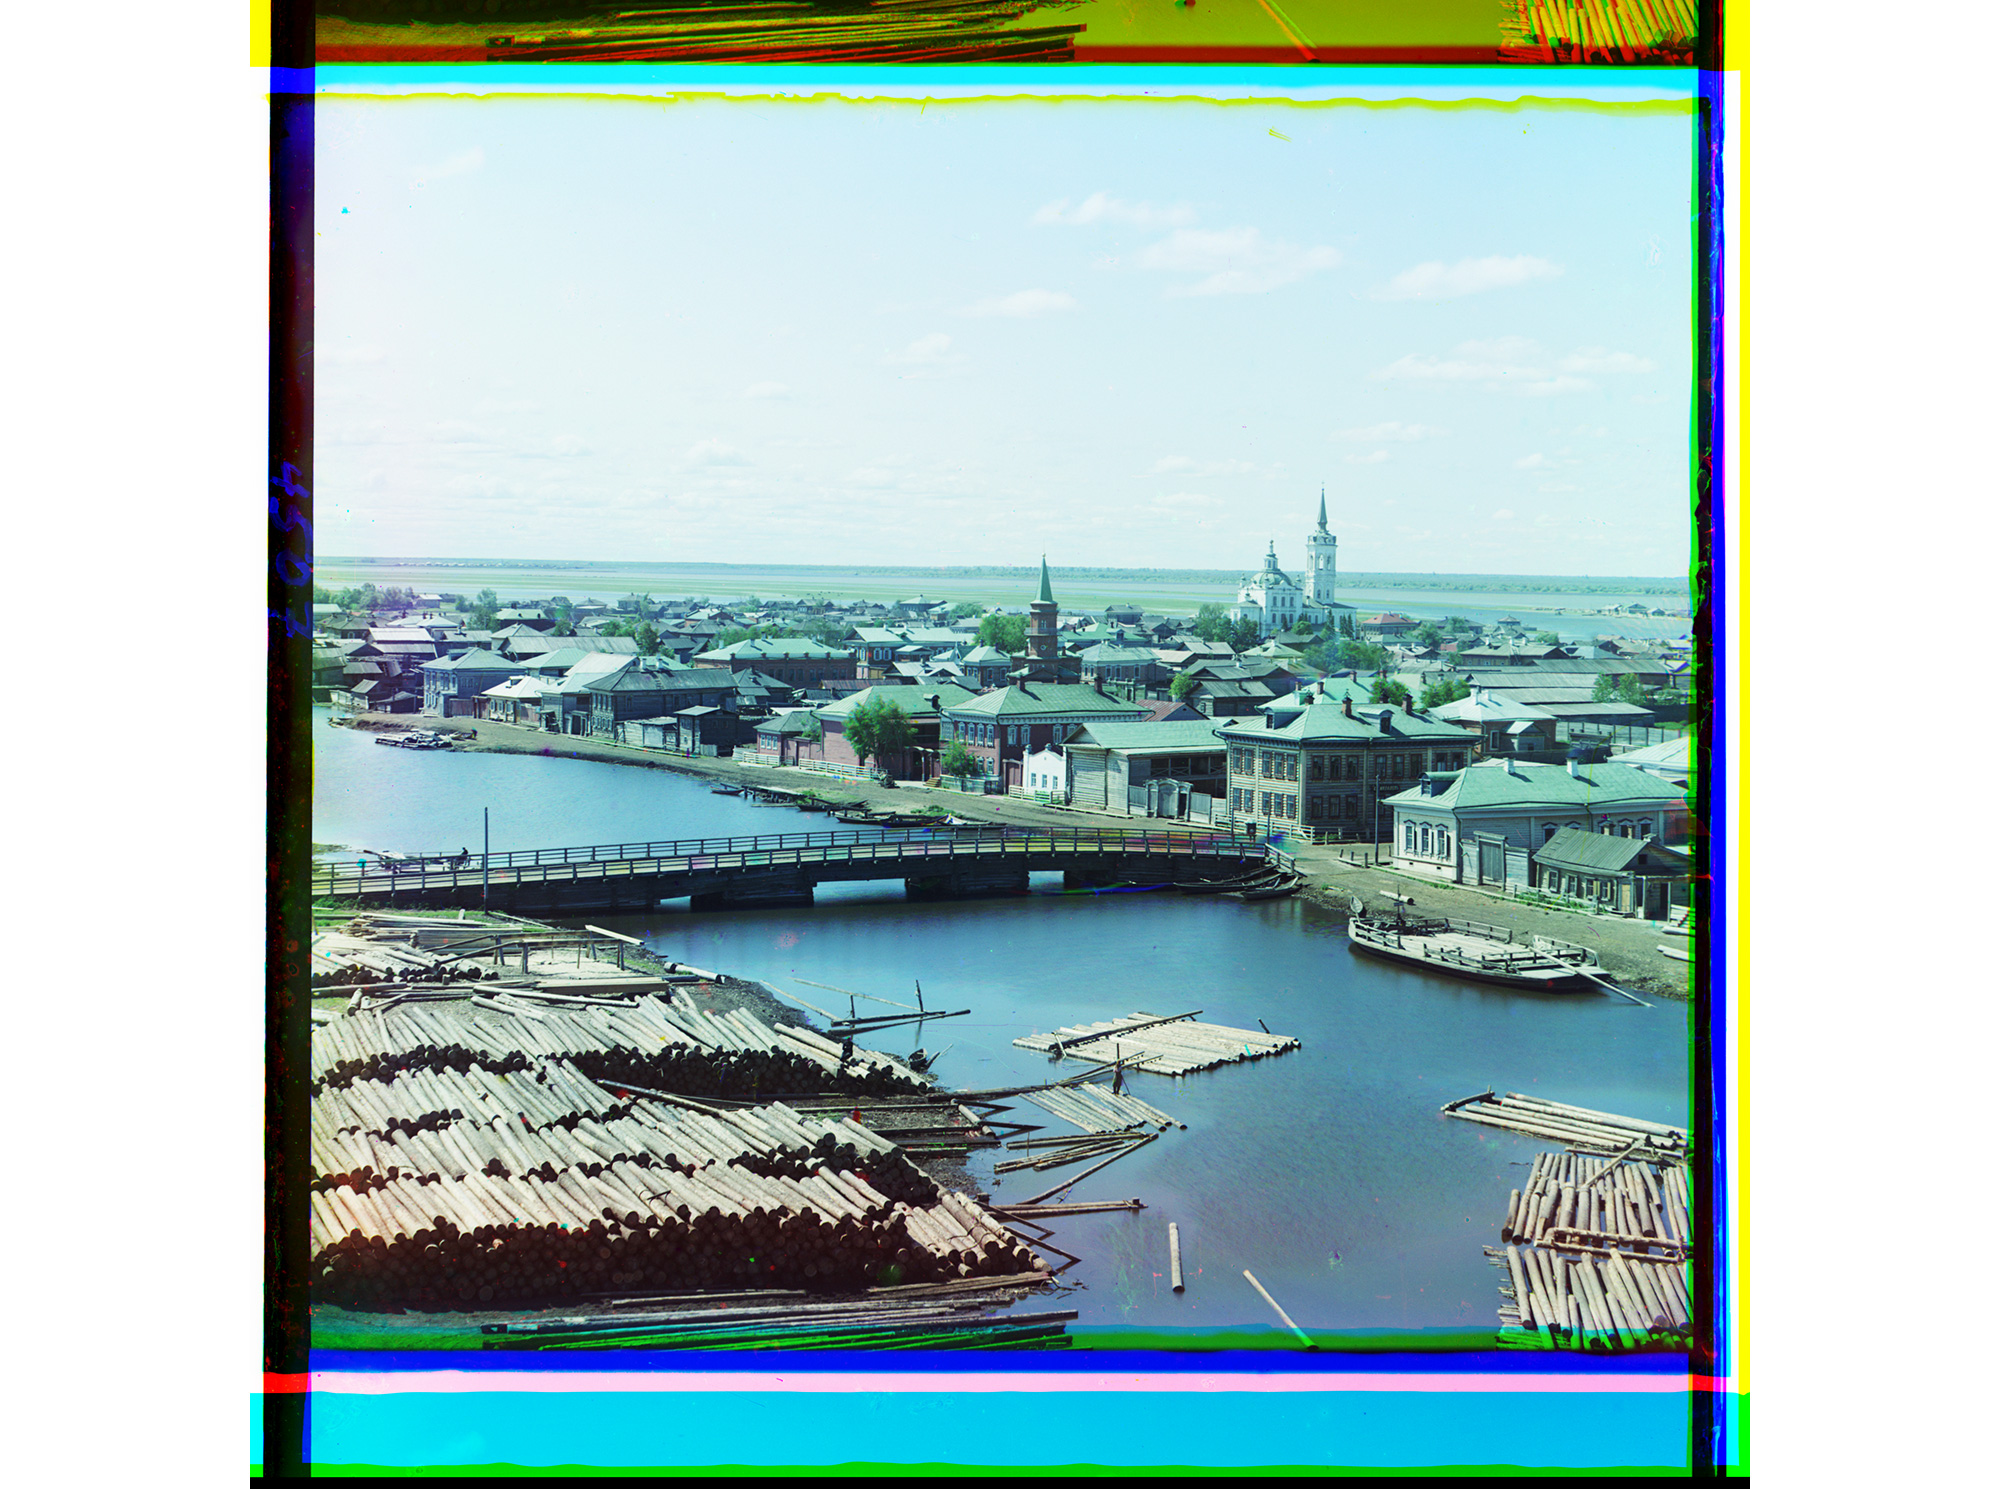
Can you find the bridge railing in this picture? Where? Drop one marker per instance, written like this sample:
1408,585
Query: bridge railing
536,865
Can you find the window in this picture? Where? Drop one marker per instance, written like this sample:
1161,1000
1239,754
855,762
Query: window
1318,769
1409,837
1353,807
1353,768
1444,843
1625,829
1292,807
1424,839
1314,806
1548,831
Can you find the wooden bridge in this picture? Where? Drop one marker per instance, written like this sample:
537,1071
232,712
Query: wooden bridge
783,868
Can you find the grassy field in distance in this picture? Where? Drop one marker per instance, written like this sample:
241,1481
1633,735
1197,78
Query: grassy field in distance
1168,590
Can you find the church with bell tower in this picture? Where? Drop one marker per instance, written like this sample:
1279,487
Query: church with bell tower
1277,602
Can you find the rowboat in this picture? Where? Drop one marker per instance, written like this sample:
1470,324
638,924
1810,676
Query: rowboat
1479,953
1275,891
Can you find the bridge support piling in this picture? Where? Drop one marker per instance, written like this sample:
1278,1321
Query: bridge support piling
966,884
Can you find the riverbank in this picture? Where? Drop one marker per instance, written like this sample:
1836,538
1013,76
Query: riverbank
1627,949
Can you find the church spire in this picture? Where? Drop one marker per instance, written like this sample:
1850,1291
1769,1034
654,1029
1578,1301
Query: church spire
1048,595
1322,507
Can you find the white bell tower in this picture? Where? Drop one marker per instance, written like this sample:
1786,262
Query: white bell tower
1320,546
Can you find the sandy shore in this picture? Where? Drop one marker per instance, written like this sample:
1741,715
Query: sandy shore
1627,949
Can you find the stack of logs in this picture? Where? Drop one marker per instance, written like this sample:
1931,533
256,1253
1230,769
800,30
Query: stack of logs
1600,1263
483,1152
648,1041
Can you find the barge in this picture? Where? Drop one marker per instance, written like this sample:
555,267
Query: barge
1478,952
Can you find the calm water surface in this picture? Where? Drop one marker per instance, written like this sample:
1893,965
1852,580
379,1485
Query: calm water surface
1328,1171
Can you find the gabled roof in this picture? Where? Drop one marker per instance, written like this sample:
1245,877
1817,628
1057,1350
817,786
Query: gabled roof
472,661
1675,754
985,654
777,648
1573,848
914,702
1180,737
1030,700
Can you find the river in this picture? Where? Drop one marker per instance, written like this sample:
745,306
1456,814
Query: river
1328,1171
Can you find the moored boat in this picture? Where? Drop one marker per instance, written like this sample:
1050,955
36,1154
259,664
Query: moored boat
1478,952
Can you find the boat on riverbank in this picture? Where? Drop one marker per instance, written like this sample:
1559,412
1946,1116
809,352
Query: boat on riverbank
1475,951
416,739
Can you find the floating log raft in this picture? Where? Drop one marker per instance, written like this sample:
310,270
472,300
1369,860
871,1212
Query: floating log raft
1578,1127
1575,1200
1611,1304
878,1320
1596,1256
1171,1045
1100,1109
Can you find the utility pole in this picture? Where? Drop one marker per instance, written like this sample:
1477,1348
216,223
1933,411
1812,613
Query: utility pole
485,853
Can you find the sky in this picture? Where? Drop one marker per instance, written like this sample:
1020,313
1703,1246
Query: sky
1122,332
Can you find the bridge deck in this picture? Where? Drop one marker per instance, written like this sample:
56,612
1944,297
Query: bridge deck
664,867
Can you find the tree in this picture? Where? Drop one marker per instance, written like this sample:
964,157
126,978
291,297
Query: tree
1387,690
959,762
876,728
648,637
1211,623
1184,684
966,609
811,733
1347,624
1450,690
1243,634
1427,634
485,605
1362,656
1008,633
1547,638
1457,625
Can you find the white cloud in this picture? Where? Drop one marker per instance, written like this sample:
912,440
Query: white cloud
1597,359
1186,499
767,390
1436,281
1098,207
1507,364
1374,457
1505,514
1234,261
1393,430
1529,462
713,452
925,351
1024,304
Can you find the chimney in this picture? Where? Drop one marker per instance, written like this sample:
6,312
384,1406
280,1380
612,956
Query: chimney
931,699
1409,705
1571,763
1347,705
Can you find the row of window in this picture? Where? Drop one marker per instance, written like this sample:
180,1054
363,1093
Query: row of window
1425,840
1280,765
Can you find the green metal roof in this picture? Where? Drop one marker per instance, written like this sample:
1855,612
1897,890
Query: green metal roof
1573,848
1047,596
1177,736
1501,784
1029,700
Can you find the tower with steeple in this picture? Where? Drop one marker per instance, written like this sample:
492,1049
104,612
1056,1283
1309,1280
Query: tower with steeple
1042,620
1320,546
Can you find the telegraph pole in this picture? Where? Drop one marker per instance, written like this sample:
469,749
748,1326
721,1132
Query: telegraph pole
485,853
